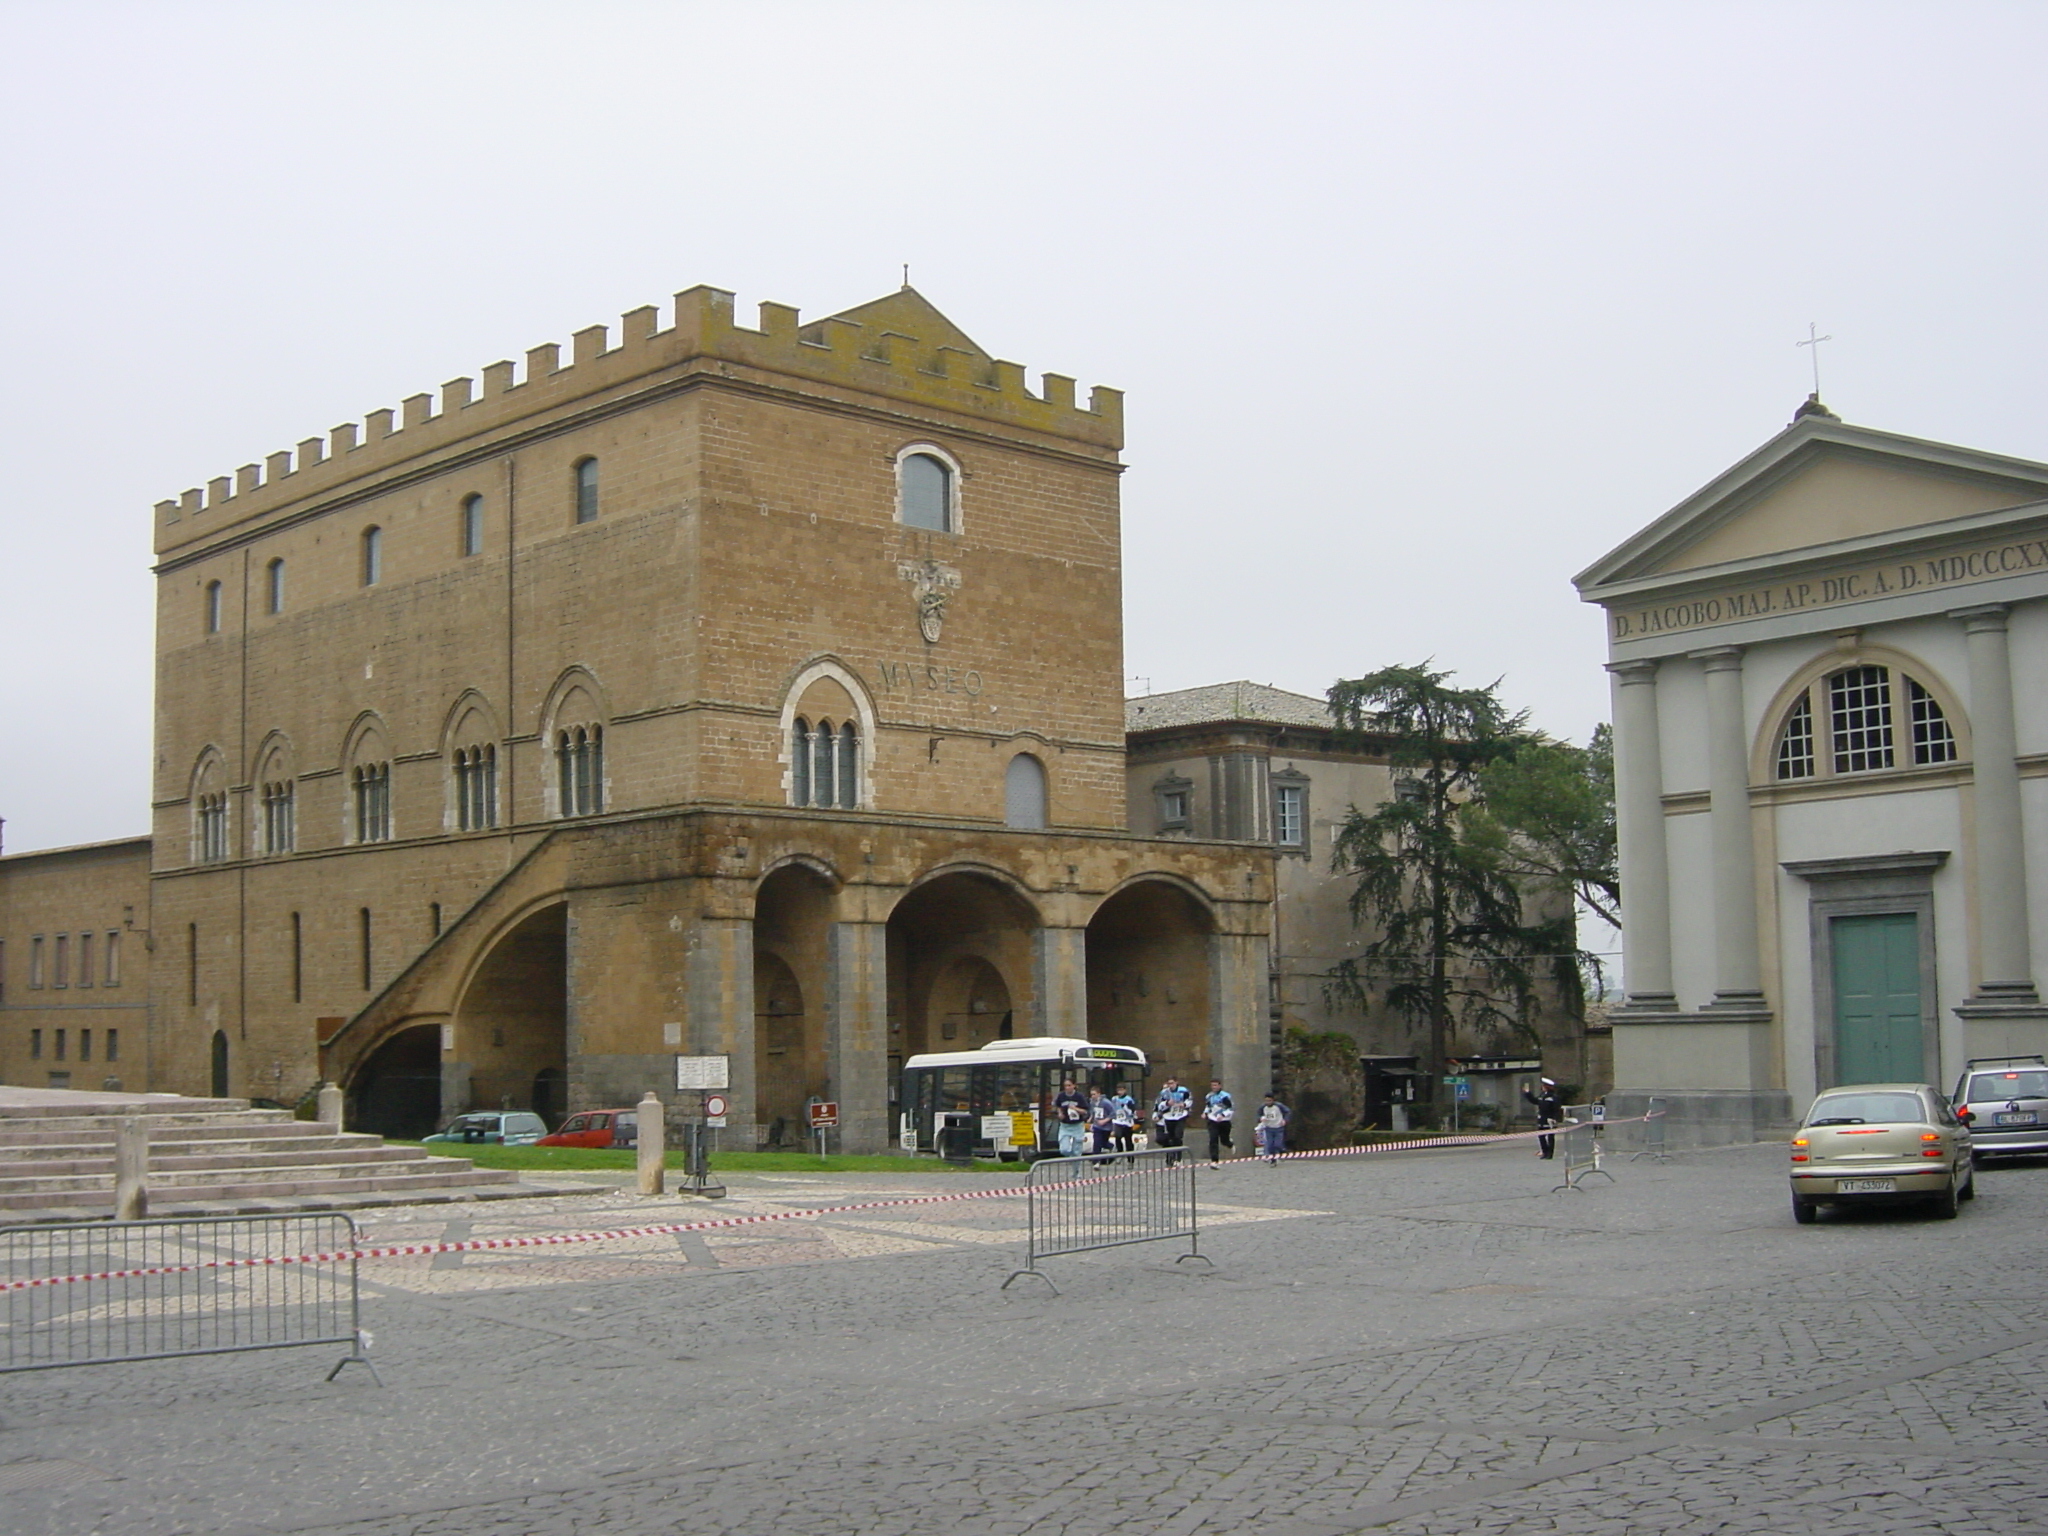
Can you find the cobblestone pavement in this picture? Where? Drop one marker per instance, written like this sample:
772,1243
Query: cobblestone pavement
1415,1344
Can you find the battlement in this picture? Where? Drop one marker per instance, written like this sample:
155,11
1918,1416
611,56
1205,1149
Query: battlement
898,347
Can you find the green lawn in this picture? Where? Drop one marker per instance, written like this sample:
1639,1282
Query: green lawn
584,1159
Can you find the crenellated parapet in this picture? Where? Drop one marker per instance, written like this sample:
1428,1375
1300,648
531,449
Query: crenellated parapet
898,348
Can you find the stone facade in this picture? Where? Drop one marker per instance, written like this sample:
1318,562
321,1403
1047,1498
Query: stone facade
1247,761
74,972
725,689
1831,755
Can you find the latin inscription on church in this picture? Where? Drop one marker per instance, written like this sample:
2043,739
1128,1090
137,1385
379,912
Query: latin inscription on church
1737,604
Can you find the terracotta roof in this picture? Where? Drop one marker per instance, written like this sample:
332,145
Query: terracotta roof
1224,701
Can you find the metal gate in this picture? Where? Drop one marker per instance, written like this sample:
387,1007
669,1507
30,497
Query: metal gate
92,1293
1078,1204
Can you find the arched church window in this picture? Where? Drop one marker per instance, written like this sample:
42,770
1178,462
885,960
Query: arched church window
824,755
280,815
1024,793
370,784
926,486
849,766
1850,722
800,761
824,762
476,787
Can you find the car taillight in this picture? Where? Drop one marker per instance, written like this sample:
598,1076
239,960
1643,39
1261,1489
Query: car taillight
1931,1152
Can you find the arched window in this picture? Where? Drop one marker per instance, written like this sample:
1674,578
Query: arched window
1849,722
586,490
849,766
373,556
579,769
273,587
472,525
213,827
925,483
371,784
476,787
1024,793
800,761
213,607
280,815
824,752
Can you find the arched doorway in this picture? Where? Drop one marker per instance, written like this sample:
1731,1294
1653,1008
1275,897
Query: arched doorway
960,964
512,1025
792,932
1148,980
397,1090
220,1064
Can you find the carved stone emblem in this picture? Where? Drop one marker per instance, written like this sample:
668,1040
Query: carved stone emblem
934,586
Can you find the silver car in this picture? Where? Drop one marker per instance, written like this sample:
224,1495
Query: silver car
2004,1100
1880,1143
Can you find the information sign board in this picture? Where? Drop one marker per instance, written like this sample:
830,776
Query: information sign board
694,1074
996,1129
823,1113
1023,1128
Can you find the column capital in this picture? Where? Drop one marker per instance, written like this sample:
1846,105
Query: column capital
1984,618
1628,673
1720,658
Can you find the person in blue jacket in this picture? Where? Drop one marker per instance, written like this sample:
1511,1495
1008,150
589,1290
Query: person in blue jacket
1217,1113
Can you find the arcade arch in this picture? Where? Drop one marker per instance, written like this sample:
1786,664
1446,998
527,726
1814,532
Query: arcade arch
960,953
1149,980
792,927
512,1023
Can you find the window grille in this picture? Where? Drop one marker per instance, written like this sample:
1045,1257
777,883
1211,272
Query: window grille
372,784
927,492
1933,741
1860,719
1795,742
586,491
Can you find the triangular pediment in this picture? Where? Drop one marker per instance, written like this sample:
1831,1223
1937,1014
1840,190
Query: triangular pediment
906,312
1821,482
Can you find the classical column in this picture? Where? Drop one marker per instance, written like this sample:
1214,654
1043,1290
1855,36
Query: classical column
2007,972
1059,974
1639,810
1738,974
857,1045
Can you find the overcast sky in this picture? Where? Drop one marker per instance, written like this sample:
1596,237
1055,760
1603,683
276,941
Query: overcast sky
1420,307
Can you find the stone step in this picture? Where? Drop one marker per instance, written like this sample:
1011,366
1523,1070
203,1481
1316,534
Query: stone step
371,1150
165,1198
221,1141
153,1107
106,1127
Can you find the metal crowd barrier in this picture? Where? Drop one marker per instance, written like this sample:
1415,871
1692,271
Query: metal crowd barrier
1653,1133
1079,1204
1578,1141
133,1290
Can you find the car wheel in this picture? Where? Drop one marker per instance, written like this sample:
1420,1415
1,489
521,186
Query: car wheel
1805,1212
1969,1190
1945,1205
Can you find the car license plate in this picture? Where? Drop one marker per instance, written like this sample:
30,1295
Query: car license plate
2027,1118
1866,1186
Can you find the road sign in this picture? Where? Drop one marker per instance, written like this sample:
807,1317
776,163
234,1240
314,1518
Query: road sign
697,1073
714,1105
824,1113
1461,1087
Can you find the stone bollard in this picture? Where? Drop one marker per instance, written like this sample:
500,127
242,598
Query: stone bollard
131,1169
328,1111
652,1143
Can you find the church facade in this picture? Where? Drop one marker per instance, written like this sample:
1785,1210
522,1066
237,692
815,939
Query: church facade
721,689
1830,680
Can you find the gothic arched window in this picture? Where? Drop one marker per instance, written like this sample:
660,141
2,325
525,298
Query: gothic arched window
925,483
579,769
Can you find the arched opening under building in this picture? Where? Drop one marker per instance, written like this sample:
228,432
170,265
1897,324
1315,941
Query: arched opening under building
1148,980
397,1090
792,933
512,1025
960,950
220,1064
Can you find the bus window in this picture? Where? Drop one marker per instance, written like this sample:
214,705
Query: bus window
1016,1085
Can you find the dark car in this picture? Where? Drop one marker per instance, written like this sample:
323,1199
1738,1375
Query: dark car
2005,1101
596,1128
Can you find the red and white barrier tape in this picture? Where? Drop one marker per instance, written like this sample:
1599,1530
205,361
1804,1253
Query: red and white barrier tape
562,1239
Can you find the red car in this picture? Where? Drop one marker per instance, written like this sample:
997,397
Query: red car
595,1128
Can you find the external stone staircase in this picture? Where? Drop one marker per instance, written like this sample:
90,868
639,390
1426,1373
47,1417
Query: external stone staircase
209,1156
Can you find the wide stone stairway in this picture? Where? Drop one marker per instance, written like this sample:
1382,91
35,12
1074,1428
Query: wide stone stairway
212,1156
